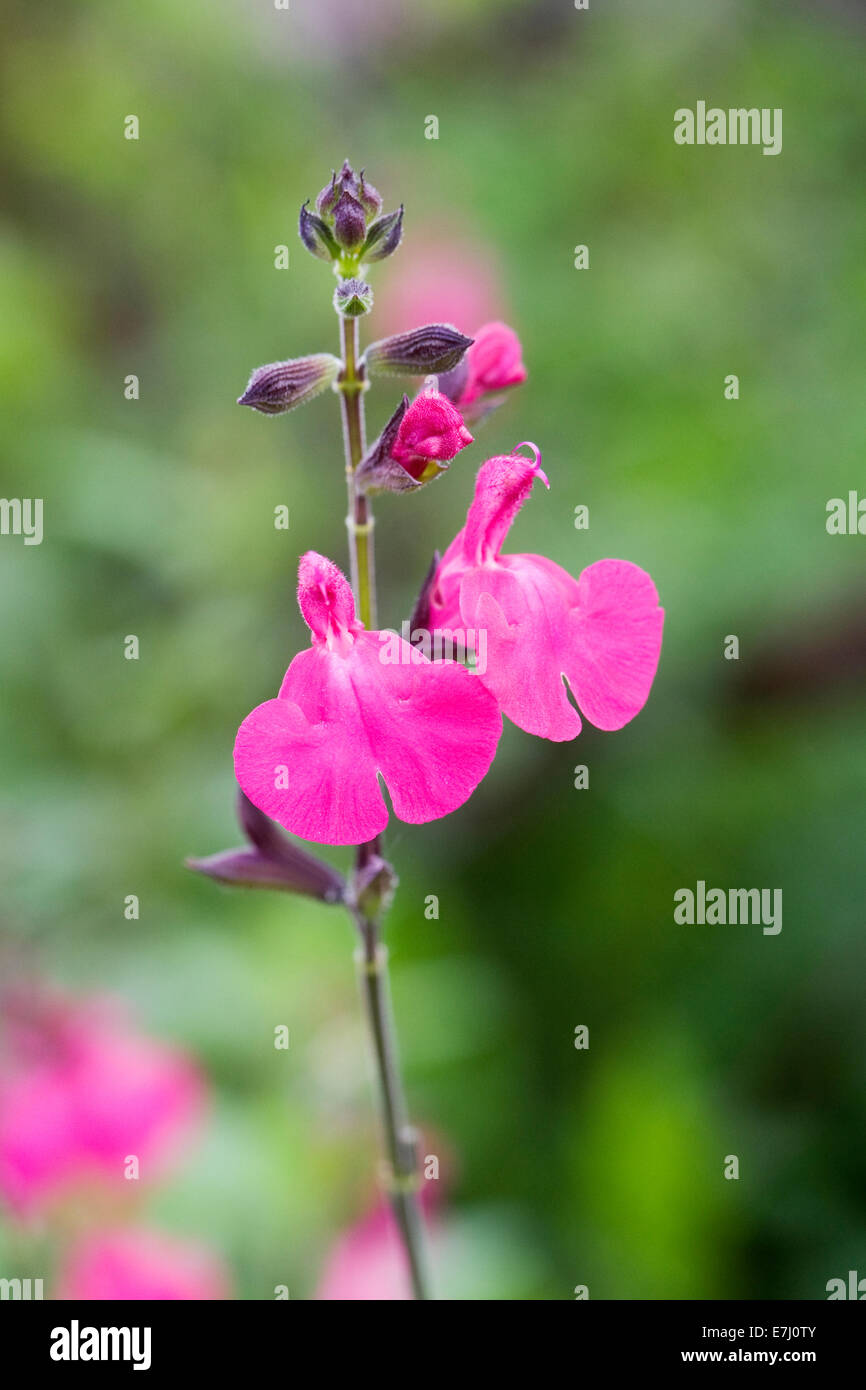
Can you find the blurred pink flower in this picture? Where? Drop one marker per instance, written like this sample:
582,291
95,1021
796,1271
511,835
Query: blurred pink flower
140,1264
494,362
80,1092
368,1261
442,280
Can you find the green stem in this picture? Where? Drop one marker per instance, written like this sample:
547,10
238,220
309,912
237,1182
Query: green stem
360,519
402,1176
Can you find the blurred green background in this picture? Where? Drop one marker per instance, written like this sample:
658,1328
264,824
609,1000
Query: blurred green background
561,1167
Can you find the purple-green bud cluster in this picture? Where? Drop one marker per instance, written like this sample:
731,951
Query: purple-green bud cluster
348,225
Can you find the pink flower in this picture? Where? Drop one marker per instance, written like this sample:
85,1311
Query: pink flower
441,279
355,705
368,1261
602,632
431,431
494,362
131,1264
79,1093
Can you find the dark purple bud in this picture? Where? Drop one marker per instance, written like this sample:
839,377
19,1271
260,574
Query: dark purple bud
350,224
379,471
437,348
353,297
327,199
384,236
347,178
421,612
272,861
316,236
280,386
369,197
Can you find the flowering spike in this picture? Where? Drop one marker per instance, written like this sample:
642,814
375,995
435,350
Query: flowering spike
281,386
316,235
436,348
384,236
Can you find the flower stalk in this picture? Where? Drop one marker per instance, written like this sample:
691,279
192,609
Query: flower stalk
401,1176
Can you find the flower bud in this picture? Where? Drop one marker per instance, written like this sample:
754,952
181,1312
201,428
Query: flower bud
495,362
369,197
350,222
437,348
431,433
316,236
415,446
353,297
280,386
272,861
384,236
327,199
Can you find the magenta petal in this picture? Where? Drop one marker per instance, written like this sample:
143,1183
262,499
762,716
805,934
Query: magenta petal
311,758
431,725
310,769
614,641
523,612
602,633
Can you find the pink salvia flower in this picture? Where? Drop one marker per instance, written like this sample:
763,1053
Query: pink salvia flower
602,632
79,1092
367,1263
431,432
134,1264
494,362
354,706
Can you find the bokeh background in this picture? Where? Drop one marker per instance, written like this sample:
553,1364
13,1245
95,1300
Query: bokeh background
559,1167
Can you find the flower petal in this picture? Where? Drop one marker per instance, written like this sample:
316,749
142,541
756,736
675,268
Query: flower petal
522,614
432,726
614,641
601,632
329,792
310,759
